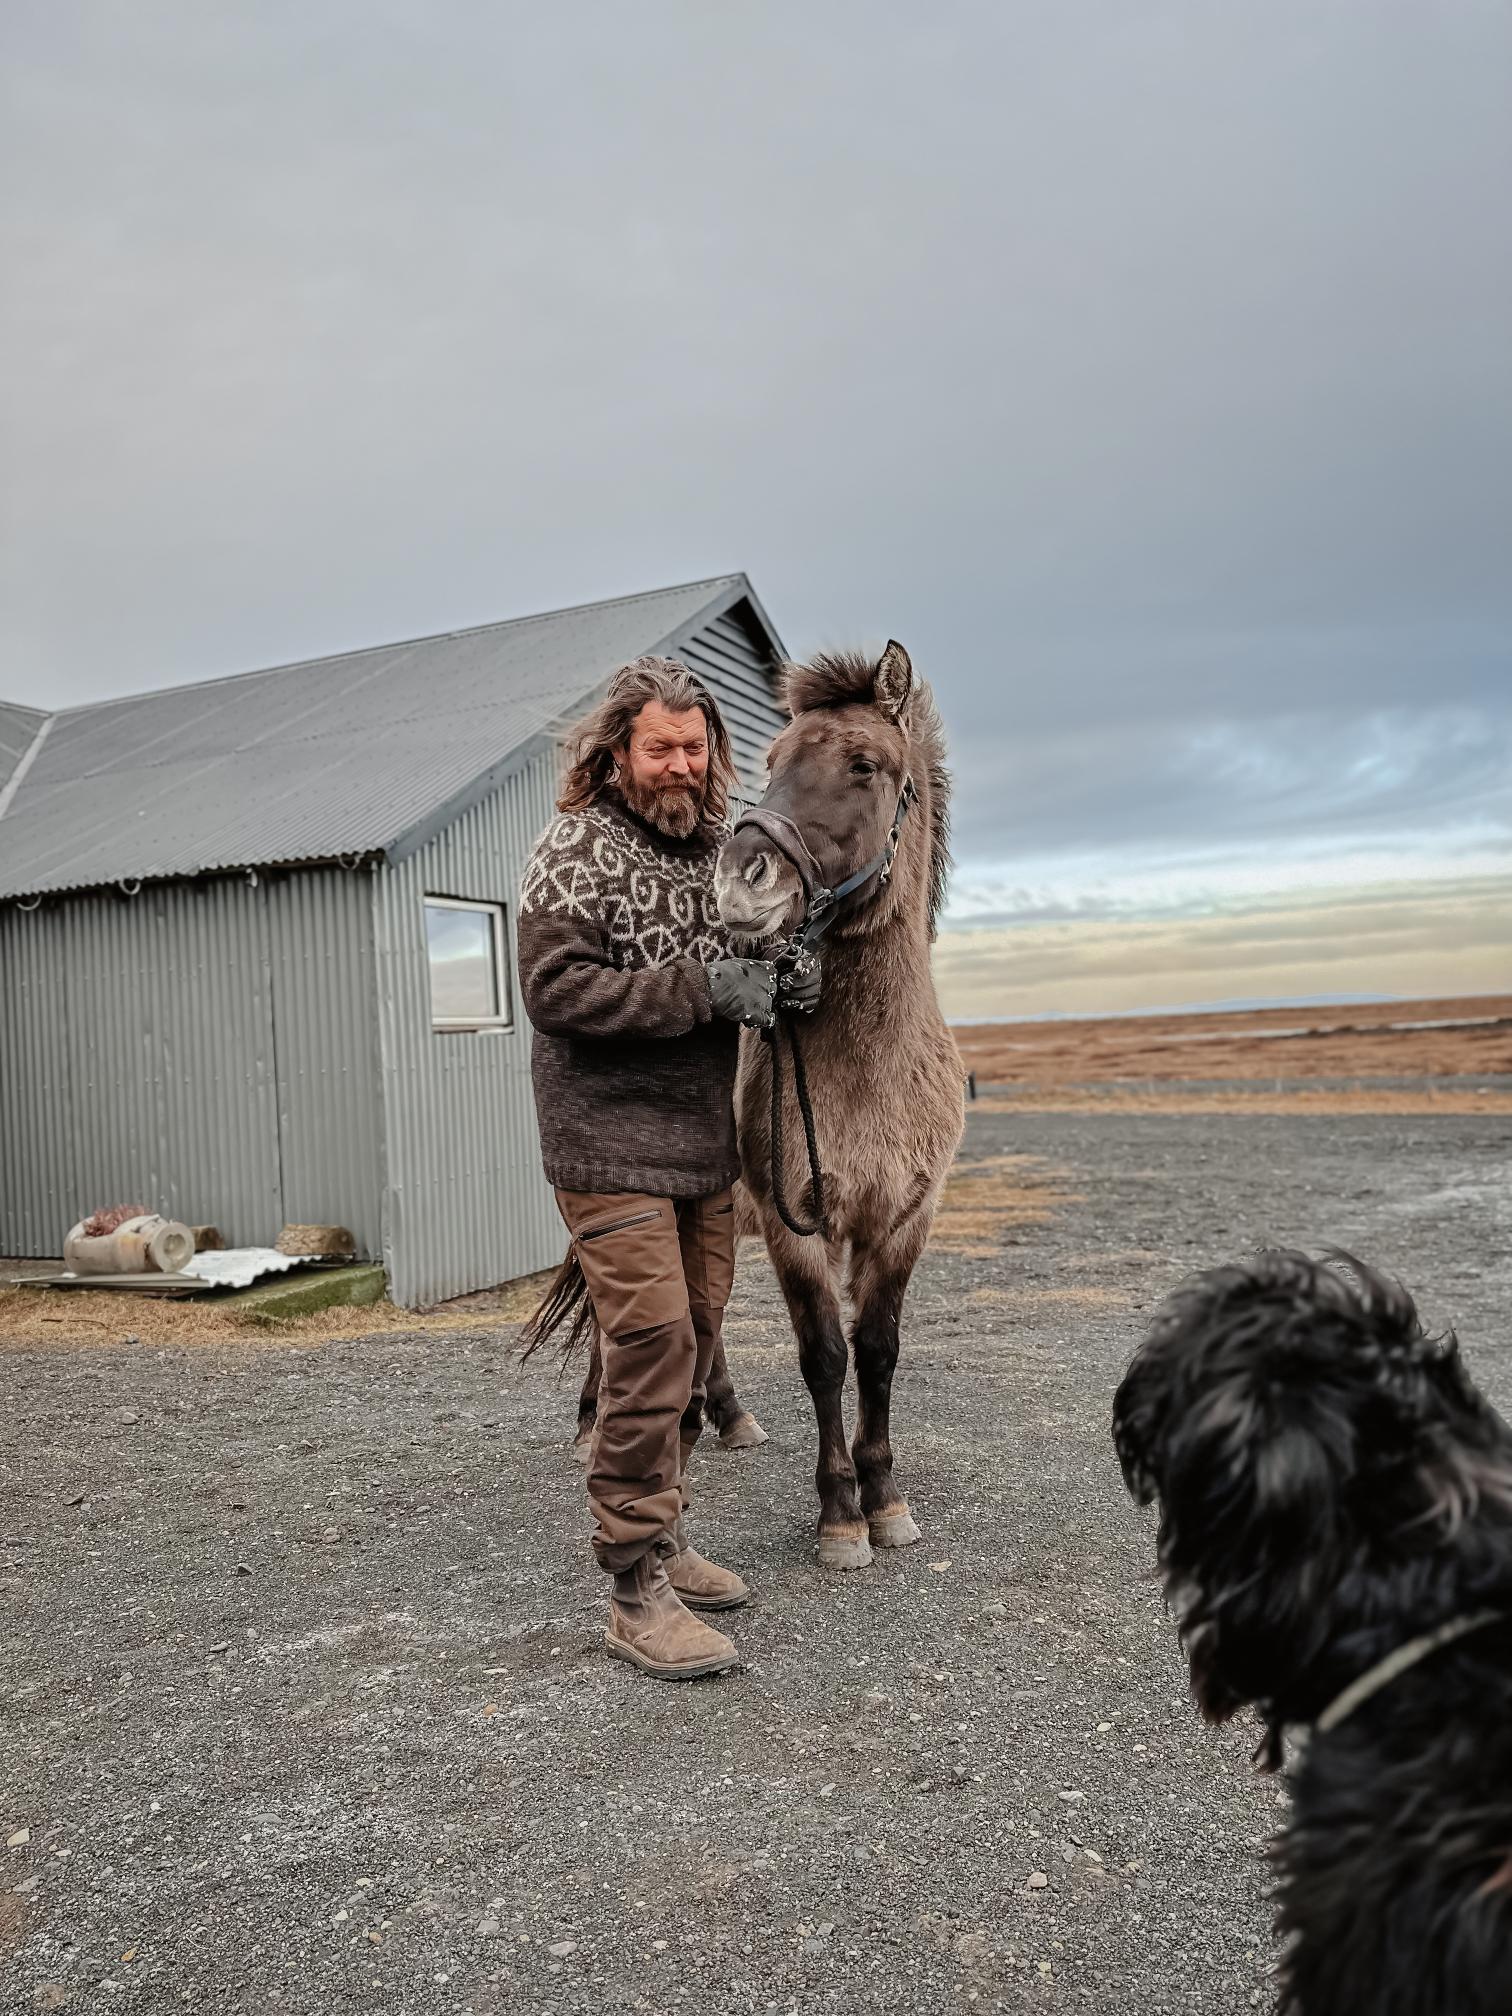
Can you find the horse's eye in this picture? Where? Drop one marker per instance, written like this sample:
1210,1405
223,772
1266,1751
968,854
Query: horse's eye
861,768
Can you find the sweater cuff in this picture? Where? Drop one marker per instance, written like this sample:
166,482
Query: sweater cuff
703,1000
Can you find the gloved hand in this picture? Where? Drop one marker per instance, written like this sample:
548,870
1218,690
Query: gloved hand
744,990
800,981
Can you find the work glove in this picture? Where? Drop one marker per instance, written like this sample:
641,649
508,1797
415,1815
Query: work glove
744,991
800,981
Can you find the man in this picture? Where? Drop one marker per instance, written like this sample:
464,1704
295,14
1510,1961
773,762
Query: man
636,1005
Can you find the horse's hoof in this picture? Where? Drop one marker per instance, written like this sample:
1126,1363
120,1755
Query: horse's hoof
844,1547
582,1450
894,1528
744,1432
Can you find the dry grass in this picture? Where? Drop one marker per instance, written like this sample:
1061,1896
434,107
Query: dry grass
73,1317
1261,1044
982,1200
1300,1102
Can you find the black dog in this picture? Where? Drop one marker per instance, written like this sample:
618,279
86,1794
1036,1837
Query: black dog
1333,1492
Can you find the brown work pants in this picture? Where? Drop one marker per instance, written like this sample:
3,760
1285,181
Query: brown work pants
659,1271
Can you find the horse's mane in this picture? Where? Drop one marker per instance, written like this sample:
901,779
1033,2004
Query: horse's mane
848,679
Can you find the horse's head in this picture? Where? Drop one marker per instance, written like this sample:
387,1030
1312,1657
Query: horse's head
836,773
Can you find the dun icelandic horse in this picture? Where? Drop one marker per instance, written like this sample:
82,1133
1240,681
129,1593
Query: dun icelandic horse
857,778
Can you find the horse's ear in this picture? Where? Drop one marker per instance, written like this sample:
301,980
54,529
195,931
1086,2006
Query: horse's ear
894,681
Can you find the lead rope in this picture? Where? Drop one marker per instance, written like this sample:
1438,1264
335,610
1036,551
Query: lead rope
821,914
794,1224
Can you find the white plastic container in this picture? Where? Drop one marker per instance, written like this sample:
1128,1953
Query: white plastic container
149,1245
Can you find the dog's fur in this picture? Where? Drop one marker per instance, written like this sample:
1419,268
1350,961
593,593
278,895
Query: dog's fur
1331,1486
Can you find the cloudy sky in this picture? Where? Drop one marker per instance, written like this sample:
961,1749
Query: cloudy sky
1146,368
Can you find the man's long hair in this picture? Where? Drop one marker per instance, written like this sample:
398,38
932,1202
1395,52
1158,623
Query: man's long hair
593,761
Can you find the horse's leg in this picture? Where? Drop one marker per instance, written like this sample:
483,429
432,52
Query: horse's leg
735,1425
803,1271
878,1284
582,1441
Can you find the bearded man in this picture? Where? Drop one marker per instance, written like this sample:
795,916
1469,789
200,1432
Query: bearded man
636,1004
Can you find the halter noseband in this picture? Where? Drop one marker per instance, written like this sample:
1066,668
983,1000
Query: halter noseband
821,904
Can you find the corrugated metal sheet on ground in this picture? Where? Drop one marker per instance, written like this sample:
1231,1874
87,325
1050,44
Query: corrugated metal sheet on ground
240,1266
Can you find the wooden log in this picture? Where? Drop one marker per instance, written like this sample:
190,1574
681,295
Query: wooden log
325,1242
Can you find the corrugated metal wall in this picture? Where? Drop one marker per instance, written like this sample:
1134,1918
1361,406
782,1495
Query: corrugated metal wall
150,1047
325,1025
37,1184
166,1089
730,656
466,1204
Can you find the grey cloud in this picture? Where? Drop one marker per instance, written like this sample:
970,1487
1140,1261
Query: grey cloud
1337,776
1148,371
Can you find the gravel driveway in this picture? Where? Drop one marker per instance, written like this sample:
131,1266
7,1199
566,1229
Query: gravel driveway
303,1706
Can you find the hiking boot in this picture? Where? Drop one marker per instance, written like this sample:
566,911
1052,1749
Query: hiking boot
649,1626
701,1584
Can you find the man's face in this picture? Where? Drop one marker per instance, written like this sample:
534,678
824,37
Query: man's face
664,771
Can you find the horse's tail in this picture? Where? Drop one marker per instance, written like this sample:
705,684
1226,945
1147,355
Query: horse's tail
566,1298
747,1217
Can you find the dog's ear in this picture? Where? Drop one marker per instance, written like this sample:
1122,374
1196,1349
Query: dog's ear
1139,1416
1243,1435
1461,1447
1453,1450
1254,1534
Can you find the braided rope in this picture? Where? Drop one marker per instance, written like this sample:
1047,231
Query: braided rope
795,1225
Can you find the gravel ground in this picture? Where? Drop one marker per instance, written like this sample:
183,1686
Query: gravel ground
304,1707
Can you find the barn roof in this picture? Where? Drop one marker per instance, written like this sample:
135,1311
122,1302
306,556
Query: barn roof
370,752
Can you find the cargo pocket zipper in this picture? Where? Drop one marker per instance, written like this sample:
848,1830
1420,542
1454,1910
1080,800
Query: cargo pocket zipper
619,1225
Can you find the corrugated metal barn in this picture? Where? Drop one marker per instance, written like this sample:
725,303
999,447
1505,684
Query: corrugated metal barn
256,935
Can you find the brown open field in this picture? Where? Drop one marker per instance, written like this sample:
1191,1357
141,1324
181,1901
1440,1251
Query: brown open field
1464,1038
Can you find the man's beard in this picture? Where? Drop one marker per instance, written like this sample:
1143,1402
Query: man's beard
673,809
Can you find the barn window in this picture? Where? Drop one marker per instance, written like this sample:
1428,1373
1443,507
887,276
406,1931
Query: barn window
469,964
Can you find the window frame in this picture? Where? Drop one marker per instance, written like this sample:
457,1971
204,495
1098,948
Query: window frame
503,978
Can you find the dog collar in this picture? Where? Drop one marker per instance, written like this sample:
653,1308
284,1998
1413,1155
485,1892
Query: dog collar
1395,1664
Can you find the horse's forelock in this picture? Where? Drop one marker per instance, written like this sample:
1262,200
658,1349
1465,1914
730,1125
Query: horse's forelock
830,679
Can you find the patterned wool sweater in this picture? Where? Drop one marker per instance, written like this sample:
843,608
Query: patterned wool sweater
634,1077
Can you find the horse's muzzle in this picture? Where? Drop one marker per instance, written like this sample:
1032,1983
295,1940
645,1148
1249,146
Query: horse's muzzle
758,890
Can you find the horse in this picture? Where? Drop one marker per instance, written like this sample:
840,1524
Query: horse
857,781
733,1423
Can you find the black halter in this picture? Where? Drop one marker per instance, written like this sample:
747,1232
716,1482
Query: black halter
821,906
